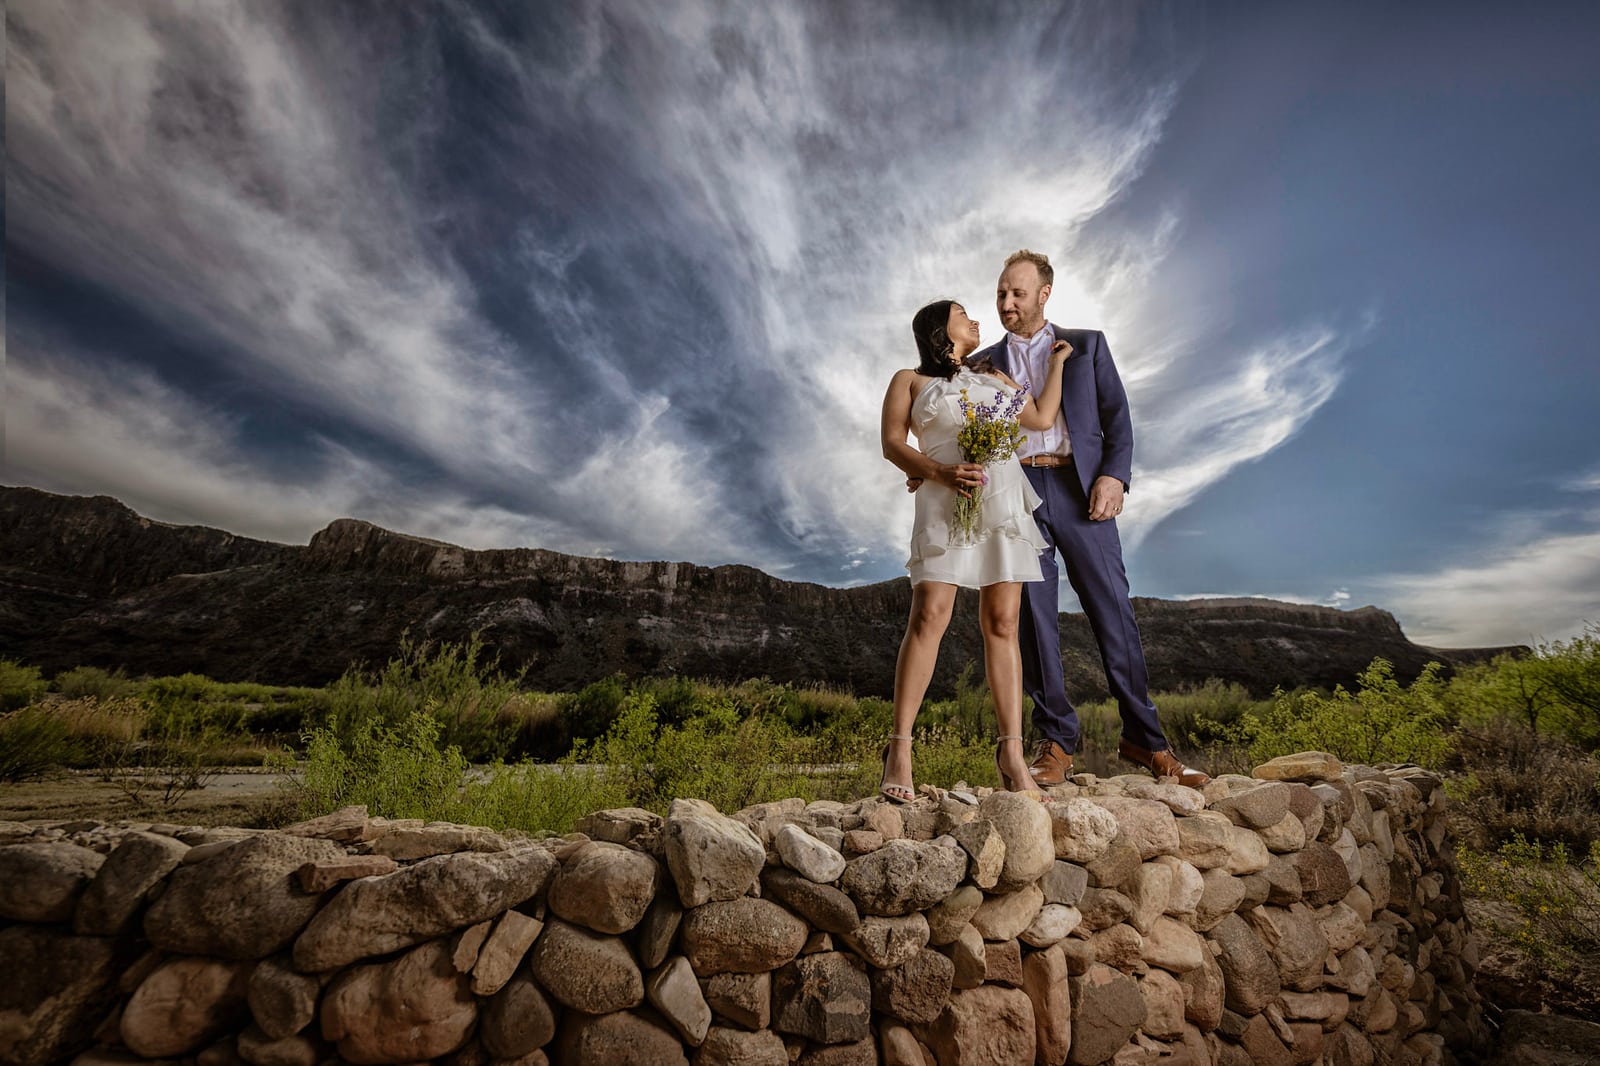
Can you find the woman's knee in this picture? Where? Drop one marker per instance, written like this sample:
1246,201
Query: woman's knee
1000,624
929,617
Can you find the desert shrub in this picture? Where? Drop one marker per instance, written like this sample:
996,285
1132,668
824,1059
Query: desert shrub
453,682
1571,672
405,772
32,743
1510,782
1556,899
19,685
93,681
1383,721
536,726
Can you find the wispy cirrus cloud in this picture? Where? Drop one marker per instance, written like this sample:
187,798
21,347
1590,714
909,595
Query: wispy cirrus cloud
628,281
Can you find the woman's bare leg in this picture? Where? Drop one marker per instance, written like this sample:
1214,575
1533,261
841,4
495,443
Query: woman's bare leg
998,605
931,603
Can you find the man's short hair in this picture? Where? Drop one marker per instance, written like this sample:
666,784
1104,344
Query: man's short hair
1041,263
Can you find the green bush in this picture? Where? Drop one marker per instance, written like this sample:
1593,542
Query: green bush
83,681
452,682
595,707
1383,721
19,685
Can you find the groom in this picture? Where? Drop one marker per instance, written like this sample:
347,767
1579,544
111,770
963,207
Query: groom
1080,468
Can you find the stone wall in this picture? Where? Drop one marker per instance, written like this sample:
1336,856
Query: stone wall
1308,914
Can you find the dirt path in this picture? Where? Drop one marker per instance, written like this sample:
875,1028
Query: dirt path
242,796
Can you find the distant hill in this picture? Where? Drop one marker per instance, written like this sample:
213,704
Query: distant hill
87,581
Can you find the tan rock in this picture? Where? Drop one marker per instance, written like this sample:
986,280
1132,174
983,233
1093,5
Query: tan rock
1296,941
808,856
624,1038
1120,946
416,1006
986,851
1247,852
584,970
903,876
1188,885
1044,980
1256,806
711,857
658,931
1025,829
1203,990
183,1005
1064,883
1053,924
824,906
1150,889
468,943
735,1047
1204,840
346,825
317,877
1148,824
746,935
885,821
897,1046
1173,946
42,882
984,1026
1163,1005
123,883
966,953
1003,963
378,915
1287,835
1004,917
1081,830
282,1000
1180,799
946,920
673,990
518,1020
408,845
619,825
1222,895
502,953
605,887
862,841
1107,1008
1248,967
745,999
888,942
1303,766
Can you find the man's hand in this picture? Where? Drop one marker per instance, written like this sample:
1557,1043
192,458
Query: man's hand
1105,498
913,484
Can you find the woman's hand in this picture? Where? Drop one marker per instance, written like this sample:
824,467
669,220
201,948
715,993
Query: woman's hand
962,477
1060,352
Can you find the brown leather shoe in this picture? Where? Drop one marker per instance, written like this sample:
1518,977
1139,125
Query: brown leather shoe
1051,764
1162,764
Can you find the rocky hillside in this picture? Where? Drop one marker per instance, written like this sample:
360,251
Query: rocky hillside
85,580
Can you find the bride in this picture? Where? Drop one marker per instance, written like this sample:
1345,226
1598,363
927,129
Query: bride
1002,554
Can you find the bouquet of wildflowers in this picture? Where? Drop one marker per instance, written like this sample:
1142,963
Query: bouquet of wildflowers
989,433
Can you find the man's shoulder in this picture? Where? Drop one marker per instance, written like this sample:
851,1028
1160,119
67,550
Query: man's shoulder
1075,336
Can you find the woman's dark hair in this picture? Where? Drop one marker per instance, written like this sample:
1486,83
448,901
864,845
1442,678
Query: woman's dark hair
929,327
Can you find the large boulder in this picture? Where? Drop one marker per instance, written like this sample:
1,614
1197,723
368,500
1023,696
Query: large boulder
414,1007
1045,980
1024,828
585,970
1081,830
1302,766
183,1005
1148,824
889,942
624,1038
1107,1009
42,882
244,902
282,1000
824,906
711,856
119,890
605,887
1250,973
745,935
377,915
914,992
984,1026
903,876
824,997
518,1020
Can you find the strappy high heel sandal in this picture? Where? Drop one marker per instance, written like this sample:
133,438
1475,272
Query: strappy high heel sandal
1006,780
891,790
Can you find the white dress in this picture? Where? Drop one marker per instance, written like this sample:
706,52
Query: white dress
1008,542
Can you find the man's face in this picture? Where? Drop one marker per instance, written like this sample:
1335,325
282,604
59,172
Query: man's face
1020,298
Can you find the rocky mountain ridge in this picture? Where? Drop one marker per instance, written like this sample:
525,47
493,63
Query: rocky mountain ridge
86,580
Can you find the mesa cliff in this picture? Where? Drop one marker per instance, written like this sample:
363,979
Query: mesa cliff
87,581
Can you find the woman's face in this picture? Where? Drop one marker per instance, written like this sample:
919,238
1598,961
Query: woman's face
962,329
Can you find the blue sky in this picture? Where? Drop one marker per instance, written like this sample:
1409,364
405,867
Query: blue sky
629,278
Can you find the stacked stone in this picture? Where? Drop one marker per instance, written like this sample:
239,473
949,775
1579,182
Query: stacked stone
1307,914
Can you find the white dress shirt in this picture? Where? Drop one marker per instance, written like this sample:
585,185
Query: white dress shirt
1030,365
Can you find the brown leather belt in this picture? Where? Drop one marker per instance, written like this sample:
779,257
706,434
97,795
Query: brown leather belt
1046,460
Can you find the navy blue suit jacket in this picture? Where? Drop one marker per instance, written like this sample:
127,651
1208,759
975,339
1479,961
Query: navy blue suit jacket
1094,401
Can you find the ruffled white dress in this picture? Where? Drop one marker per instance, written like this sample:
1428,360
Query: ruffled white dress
1008,541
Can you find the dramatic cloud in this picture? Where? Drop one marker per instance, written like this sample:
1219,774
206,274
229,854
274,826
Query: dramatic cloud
629,280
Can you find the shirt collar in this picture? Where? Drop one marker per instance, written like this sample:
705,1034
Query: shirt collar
1025,344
